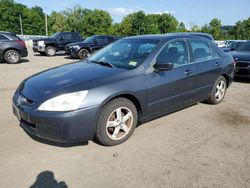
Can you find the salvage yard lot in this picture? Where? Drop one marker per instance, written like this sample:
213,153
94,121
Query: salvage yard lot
200,146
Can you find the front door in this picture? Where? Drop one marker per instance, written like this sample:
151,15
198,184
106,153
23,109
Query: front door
169,90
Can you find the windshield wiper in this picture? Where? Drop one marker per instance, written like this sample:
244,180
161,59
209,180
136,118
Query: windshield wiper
103,63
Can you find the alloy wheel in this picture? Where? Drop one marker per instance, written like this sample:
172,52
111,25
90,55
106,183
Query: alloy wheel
119,123
12,56
220,90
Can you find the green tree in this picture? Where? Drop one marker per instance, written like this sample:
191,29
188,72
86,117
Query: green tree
74,18
152,26
215,27
194,28
205,29
167,23
182,27
96,22
57,22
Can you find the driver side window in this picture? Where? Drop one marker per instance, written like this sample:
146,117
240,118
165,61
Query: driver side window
174,52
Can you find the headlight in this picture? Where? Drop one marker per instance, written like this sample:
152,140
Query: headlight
65,102
40,43
75,46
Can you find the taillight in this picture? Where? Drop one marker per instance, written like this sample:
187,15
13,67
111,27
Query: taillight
21,42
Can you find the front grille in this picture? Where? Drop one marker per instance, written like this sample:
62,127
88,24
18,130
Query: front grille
26,123
242,64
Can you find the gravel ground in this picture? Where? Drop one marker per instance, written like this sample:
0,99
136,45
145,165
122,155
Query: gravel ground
200,146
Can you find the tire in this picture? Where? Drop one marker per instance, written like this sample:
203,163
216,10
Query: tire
112,130
83,53
50,51
218,92
12,57
42,53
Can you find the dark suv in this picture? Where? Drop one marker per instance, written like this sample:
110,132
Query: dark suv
57,42
81,50
12,48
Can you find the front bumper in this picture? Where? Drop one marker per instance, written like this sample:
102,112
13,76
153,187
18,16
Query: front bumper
65,127
73,52
37,48
242,69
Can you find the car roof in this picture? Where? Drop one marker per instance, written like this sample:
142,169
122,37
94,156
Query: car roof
7,33
170,35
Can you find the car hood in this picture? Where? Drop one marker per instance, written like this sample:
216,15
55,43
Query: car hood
82,43
64,77
241,56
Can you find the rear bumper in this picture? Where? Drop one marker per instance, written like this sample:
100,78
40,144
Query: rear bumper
72,52
64,127
24,52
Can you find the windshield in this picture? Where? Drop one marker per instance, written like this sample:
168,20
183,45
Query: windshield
90,39
126,53
55,35
244,47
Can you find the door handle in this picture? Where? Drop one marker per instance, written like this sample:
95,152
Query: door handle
188,72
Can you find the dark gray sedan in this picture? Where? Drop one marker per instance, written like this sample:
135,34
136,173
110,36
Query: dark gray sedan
132,80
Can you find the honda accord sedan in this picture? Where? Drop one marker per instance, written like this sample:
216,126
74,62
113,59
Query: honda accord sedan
132,80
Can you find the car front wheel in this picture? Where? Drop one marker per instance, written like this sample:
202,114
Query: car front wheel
218,92
117,122
12,56
83,53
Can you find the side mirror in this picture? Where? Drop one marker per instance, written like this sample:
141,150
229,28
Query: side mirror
61,38
163,66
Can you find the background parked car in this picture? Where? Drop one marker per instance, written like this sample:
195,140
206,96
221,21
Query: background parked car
81,50
242,58
220,43
233,46
57,42
12,48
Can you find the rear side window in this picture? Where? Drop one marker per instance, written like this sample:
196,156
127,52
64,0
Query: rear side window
2,37
101,40
75,36
201,51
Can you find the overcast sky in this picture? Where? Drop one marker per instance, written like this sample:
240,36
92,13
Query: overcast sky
189,11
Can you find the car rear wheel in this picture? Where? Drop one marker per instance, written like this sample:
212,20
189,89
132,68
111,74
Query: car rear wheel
83,53
12,56
218,92
50,51
116,122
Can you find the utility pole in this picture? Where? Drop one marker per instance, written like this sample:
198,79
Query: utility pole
21,24
46,24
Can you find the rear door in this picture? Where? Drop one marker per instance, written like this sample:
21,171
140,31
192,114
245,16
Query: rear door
207,64
170,90
64,39
3,40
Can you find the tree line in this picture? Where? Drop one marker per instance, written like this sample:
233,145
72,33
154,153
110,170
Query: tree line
89,22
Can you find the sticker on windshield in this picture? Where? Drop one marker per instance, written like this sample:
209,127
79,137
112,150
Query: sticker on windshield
133,63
